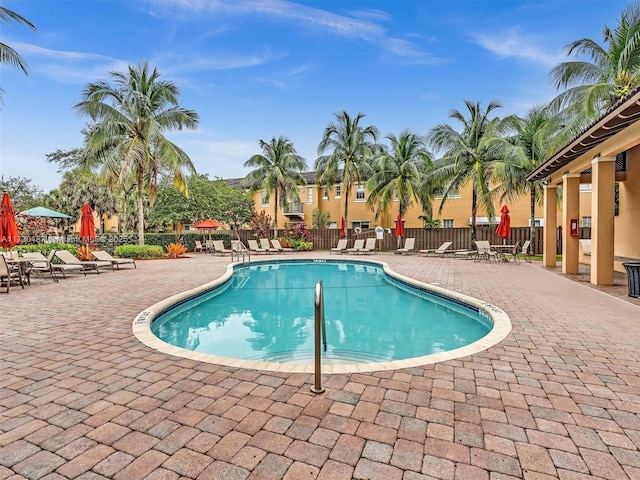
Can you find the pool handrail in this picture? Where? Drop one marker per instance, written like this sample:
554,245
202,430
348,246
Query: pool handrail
320,331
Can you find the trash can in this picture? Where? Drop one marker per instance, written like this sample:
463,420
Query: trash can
633,278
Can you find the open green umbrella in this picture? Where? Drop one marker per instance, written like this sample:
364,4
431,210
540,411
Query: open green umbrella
44,212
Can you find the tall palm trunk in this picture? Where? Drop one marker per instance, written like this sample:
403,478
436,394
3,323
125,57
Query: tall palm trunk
474,211
140,210
532,227
347,191
275,215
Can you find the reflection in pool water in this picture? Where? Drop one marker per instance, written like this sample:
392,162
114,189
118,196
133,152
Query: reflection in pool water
265,312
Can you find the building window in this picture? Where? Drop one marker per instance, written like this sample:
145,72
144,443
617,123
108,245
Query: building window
585,187
264,199
586,222
447,223
309,195
338,191
362,225
325,193
360,192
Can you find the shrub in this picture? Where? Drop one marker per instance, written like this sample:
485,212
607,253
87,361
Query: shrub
84,253
300,232
139,251
175,250
262,225
301,245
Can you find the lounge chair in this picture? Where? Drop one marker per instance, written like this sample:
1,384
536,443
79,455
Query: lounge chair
409,246
199,247
41,264
254,247
441,250
276,244
358,245
88,265
341,247
219,248
56,267
208,246
115,262
369,246
264,244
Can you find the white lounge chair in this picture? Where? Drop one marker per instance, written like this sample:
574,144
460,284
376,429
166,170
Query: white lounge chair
115,262
369,246
441,250
254,247
199,247
358,245
341,247
409,246
276,244
219,248
264,244
88,265
41,264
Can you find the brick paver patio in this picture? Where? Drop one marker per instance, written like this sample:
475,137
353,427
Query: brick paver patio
81,398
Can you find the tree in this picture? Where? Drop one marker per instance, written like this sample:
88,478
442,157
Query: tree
398,173
613,72
7,54
237,208
471,155
351,146
127,138
278,173
320,219
534,143
23,193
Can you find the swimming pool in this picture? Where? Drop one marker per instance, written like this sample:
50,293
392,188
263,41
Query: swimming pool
262,315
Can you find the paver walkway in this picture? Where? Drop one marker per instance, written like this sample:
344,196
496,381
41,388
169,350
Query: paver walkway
81,398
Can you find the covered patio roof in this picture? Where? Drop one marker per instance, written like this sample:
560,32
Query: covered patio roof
615,119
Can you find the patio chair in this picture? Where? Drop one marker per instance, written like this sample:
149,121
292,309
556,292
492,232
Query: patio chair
341,247
41,264
409,246
441,250
512,254
199,247
369,246
254,247
276,244
264,244
67,258
219,248
485,251
208,246
358,245
8,274
526,254
115,262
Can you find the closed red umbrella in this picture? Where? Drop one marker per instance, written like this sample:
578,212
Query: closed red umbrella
504,227
343,229
399,231
87,226
8,228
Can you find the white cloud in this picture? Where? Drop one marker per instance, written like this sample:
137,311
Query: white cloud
513,44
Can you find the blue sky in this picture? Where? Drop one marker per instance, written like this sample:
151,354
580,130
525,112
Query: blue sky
255,69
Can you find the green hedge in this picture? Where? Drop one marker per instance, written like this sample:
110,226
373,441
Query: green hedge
139,251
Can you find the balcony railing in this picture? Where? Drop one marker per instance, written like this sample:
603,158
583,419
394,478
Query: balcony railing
294,210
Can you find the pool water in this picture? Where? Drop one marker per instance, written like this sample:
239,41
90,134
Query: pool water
266,313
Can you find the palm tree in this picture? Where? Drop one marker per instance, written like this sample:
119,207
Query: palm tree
127,137
278,173
613,72
350,147
7,54
398,173
471,155
534,143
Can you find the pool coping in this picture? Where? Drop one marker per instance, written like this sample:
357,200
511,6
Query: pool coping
501,328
